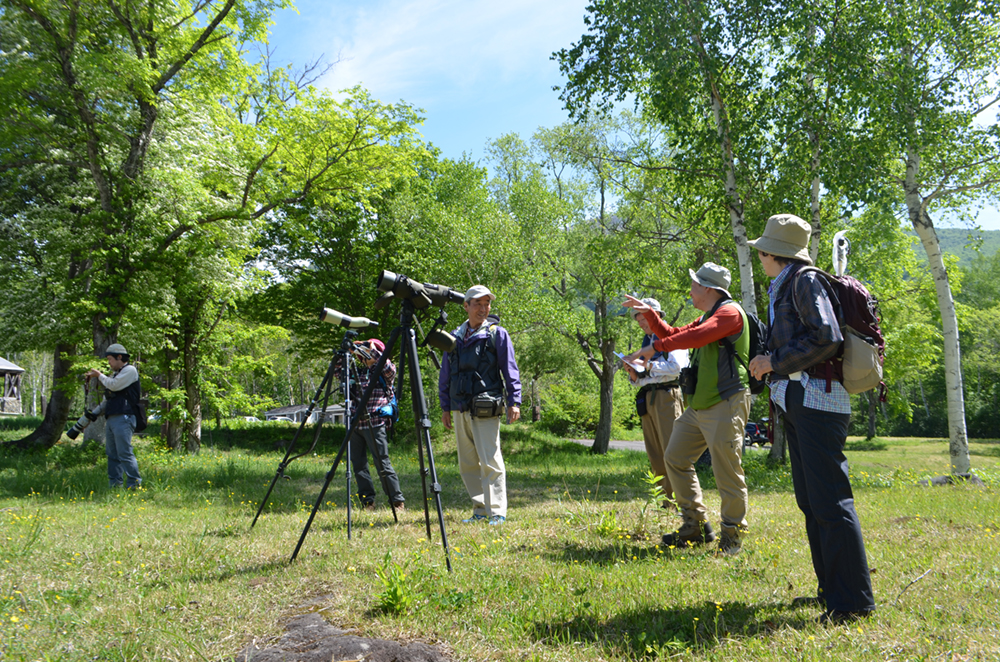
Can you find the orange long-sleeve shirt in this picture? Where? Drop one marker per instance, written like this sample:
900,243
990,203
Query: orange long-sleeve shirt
725,322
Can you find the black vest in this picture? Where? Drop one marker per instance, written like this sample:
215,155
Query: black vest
474,369
120,402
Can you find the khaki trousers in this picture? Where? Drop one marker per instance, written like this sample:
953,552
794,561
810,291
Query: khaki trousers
480,462
663,407
719,428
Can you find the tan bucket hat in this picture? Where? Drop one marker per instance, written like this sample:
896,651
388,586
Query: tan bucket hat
785,235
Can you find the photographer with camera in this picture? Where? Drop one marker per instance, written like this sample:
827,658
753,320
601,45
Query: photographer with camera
121,398
372,423
659,401
718,405
474,377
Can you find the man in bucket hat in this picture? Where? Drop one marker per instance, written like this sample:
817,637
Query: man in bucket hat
804,334
121,396
477,379
659,401
718,406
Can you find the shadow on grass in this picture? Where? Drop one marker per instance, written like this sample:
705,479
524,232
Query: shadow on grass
256,569
668,632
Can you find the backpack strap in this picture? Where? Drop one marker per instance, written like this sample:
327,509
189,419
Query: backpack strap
828,371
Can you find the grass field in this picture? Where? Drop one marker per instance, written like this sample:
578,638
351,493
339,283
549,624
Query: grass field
174,572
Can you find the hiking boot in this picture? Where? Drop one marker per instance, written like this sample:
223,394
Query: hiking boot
837,617
730,543
370,507
690,534
497,519
399,506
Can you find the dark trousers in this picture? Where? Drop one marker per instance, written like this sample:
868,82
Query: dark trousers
823,493
374,440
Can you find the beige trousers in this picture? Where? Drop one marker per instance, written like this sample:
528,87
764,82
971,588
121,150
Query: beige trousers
480,462
719,428
663,407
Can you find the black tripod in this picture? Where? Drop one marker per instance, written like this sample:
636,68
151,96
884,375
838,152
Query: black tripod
343,354
408,357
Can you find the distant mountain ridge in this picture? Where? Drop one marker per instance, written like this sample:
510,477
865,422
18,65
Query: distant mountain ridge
960,242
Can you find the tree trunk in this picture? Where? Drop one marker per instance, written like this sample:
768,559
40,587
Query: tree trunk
192,423
602,437
720,115
171,430
872,411
57,411
94,434
536,404
777,454
958,441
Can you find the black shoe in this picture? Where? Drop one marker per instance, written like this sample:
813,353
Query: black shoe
837,617
690,534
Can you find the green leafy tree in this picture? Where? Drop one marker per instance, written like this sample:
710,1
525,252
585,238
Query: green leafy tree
147,124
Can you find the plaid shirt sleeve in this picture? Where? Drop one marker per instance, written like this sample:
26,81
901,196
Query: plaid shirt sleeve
379,397
804,329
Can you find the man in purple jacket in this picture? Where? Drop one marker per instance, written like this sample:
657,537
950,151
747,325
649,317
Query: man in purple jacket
474,379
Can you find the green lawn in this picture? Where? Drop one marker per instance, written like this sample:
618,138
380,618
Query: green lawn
173,572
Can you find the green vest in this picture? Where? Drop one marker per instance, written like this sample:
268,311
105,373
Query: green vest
720,375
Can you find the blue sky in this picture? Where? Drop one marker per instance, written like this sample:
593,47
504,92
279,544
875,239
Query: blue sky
477,69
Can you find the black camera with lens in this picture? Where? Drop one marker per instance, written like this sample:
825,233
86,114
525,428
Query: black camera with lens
688,379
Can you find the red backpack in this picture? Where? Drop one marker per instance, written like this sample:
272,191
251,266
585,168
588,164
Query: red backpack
858,362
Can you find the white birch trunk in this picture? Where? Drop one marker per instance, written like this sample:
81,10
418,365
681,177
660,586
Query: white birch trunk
814,221
735,205
958,445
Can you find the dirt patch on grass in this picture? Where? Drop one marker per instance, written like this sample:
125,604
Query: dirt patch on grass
309,638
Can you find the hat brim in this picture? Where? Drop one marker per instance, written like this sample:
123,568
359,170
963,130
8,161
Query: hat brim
780,248
705,283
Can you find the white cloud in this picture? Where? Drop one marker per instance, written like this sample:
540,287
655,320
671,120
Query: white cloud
424,50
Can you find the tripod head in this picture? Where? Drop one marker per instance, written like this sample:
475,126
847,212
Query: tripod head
420,295
348,341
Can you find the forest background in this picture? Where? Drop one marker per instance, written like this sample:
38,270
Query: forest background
165,185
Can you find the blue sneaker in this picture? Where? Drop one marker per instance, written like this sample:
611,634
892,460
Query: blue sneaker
476,517
497,519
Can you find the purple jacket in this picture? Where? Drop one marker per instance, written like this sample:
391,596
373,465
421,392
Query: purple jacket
505,361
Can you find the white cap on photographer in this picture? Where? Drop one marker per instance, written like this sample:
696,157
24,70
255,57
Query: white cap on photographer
115,349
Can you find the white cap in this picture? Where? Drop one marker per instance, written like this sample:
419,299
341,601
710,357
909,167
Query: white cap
477,291
652,303
115,349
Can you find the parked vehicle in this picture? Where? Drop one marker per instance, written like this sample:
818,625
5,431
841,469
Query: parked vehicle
755,434
283,419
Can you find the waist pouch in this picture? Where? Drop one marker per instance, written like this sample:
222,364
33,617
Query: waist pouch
485,405
640,402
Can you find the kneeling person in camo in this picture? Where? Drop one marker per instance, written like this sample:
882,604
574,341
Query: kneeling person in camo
370,430
477,378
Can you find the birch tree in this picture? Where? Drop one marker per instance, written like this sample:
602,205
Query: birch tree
930,93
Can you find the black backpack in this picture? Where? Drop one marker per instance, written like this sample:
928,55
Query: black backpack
758,345
141,420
